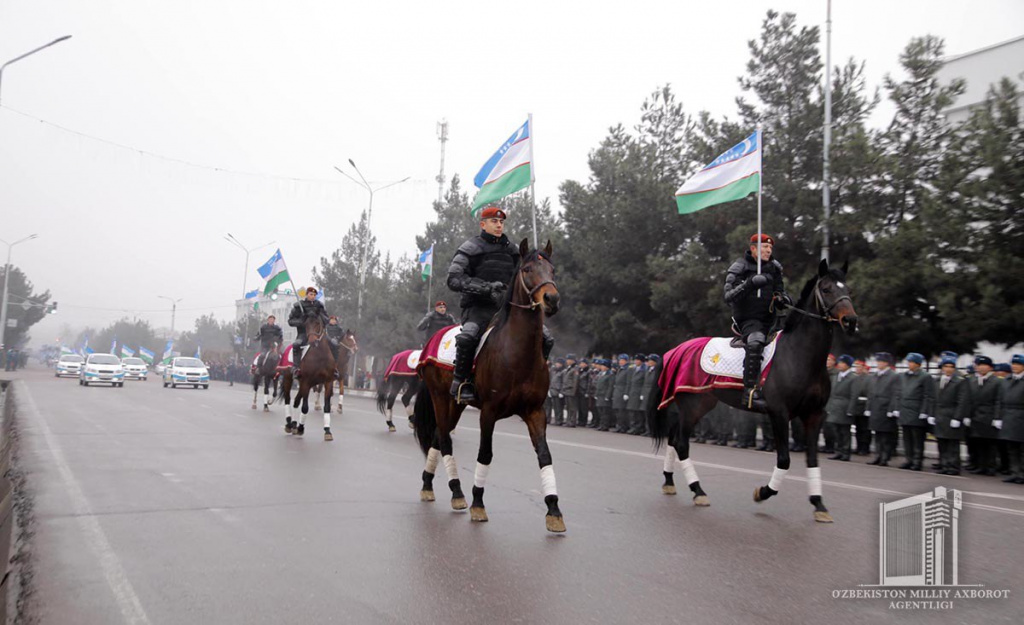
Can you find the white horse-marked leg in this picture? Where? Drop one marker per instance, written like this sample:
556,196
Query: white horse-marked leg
821,514
427,492
762,493
476,511
668,470
341,400
458,499
328,436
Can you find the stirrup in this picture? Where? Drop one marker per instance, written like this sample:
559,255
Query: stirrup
755,401
457,391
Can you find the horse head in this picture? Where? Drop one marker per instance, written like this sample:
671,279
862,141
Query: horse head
833,296
348,340
536,279
314,328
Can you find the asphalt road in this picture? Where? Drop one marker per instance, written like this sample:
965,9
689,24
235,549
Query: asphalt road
154,505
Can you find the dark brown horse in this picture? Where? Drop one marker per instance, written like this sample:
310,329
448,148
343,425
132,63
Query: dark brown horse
266,372
388,392
346,351
511,379
798,386
316,367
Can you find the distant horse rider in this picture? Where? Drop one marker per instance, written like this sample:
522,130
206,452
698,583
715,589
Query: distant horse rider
751,295
268,334
301,311
335,334
435,320
482,269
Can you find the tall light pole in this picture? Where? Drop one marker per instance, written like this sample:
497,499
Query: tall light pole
230,238
29,53
174,310
366,239
7,281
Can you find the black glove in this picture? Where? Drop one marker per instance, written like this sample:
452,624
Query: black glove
497,291
760,281
784,299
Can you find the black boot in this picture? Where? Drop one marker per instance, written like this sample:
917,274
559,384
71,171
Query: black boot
462,386
296,359
752,398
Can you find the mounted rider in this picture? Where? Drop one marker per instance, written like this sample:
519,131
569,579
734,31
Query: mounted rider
482,269
268,334
301,311
752,296
335,334
436,320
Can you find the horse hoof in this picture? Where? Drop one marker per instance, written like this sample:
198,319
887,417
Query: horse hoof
288,428
300,430
266,409
412,426
426,495
702,501
254,406
391,428
555,524
328,436
668,489
459,503
757,494
478,515
823,517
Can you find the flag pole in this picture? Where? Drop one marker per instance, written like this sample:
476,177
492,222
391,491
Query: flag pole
533,178
760,181
430,277
292,280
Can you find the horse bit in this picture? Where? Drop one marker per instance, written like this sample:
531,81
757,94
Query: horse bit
821,306
534,304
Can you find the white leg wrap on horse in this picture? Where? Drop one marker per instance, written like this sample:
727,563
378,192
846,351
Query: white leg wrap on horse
387,414
409,410
480,477
670,459
341,399
689,473
777,476
451,467
547,481
814,481
432,457
327,417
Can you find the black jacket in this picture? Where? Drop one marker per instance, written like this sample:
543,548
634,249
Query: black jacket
480,262
742,295
434,321
335,333
268,334
303,309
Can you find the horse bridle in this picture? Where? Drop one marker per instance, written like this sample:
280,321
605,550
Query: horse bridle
354,347
534,304
820,300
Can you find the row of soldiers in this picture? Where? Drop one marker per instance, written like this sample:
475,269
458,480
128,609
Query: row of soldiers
604,394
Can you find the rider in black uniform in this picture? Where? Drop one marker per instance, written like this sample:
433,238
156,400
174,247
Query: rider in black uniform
302,310
436,320
481,270
268,334
751,295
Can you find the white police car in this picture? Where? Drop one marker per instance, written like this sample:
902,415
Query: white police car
102,369
69,364
186,372
134,369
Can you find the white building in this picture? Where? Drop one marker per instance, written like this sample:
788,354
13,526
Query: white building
981,69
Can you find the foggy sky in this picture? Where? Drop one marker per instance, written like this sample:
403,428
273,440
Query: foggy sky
292,89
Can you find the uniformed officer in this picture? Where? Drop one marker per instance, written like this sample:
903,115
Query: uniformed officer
557,396
860,420
595,372
651,373
883,396
828,429
269,333
435,320
582,391
301,311
1011,418
604,392
621,400
636,390
842,402
481,271
952,408
335,334
985,392
916,400
570,386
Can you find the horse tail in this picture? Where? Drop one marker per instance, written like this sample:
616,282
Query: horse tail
657,418
425,419
283,383
382,395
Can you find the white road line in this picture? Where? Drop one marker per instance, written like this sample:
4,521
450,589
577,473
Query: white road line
650,456
95,537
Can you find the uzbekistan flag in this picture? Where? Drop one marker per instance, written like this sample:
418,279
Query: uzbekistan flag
126,352
732,176
427,263
275,272
146,355
508,170
64,349
168,351
199,352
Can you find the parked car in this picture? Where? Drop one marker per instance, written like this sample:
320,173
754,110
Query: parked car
69,364
134,369
186,371
102,369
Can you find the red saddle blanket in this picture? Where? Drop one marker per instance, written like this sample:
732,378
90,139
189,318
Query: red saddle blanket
683,372
286,358
440,349
403,363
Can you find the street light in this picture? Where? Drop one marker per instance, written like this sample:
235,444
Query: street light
369,215
7,281
30,53
174,310
230,238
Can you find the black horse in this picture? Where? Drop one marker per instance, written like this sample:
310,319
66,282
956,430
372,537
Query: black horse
797,387
265,371
388,392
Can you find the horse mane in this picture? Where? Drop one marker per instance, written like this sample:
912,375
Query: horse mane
792,321
501,317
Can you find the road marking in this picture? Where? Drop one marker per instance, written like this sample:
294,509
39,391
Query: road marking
710,465
95,537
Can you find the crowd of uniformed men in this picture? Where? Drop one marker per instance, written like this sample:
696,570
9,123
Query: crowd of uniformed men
870,410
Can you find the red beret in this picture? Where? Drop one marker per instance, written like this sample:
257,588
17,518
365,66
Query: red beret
492,211
439,303
765,238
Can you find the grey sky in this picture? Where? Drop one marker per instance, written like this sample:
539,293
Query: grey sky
291,89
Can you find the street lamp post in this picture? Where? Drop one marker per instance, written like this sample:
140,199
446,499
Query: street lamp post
366,239
230,238
29,53
7,281
174,310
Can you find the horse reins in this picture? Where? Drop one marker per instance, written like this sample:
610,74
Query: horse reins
820,300
534,304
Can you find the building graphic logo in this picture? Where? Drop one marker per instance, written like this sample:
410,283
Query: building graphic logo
918,542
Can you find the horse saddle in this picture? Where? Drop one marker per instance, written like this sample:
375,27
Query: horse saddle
286,358
721,357
737,337
446,347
